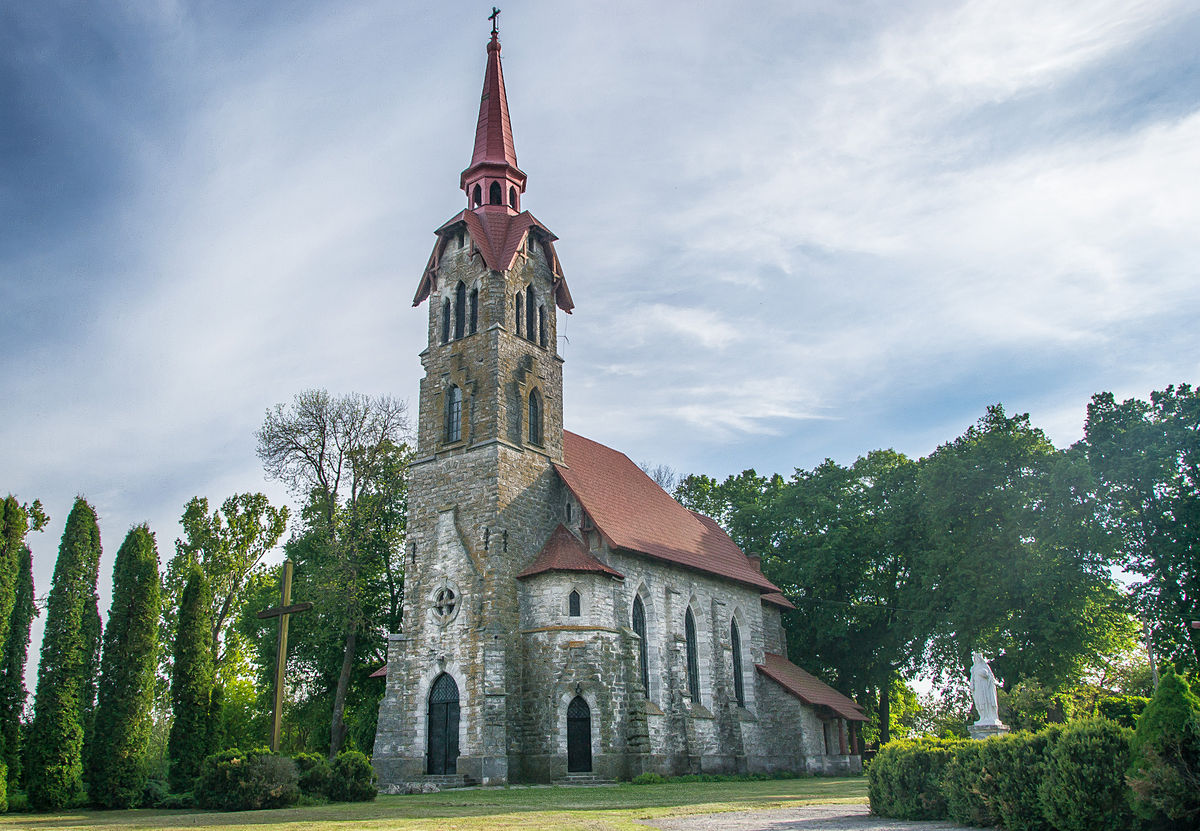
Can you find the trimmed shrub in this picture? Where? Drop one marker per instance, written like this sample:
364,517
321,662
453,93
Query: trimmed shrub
905,778
649,778
969,784
352,779
237,781
315,774
1084,786
1020,762
1123,709
1165,772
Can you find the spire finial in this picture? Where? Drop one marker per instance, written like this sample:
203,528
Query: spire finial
495,18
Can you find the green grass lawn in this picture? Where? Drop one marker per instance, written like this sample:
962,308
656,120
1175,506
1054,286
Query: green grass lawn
529,809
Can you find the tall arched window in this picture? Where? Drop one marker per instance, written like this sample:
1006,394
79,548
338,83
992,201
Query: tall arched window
639,626
453,414
530,314
512,198
474,312
477,197
460,310
495,194
535,417
519,314
573,603
542,325
693,663
735,641
446,320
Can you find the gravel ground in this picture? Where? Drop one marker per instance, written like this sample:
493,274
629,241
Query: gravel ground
807,818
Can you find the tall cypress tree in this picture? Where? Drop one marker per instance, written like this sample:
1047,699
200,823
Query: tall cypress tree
117,754
12,670
92,633
191,683
56,735
13,525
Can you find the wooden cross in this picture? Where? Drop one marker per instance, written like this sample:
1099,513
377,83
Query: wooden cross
283,611
495,18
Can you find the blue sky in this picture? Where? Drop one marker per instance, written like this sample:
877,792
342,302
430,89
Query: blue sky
792,230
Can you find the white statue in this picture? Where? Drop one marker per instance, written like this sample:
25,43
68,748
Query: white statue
983,690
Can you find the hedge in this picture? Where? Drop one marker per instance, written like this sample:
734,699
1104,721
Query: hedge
905,778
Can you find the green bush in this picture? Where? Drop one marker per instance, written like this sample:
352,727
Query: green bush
1123,709
969,784
1165,772
177,801
236,781
1020,764
1084,785
352,779
315,774
154,791
905,778
649,778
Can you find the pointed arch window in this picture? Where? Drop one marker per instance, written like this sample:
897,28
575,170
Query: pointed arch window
573,603
530,314
535,417
639,626
735,642
519,315
495,194
477,196
460,310
453,414
446,320
512,198
542,325
693,663
473,322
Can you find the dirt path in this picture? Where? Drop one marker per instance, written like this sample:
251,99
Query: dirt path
807,818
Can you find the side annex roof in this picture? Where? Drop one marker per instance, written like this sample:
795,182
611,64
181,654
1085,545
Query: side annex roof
808,688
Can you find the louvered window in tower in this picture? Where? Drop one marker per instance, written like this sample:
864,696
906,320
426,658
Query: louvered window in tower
735,642
639,626
530,314
460,310
512,198
473,322
693,663
477,197
453,414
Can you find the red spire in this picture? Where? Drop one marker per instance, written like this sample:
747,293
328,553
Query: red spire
493,167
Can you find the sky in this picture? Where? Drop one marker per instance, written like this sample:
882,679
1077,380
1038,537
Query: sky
793,230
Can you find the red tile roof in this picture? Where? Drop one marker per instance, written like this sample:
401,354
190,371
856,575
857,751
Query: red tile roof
497,236
564,552
634,513
379,673
777,599
808,688
493,131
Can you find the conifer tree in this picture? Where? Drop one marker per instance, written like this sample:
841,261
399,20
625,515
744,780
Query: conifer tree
116,756
92,633
56,735
13,525
12,670
191,683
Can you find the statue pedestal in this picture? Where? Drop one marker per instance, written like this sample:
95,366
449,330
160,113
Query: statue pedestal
986,731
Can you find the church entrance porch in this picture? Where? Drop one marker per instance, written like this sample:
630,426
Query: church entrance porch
442,754
579,736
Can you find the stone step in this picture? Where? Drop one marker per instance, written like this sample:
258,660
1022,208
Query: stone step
577,779
450,780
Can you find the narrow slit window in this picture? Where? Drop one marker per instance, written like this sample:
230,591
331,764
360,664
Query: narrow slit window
542,325
520,312
477,196
453,414
530,314
639,626
474,312
460,310
573,604
535,418
512,198
446,320
735,641
693,663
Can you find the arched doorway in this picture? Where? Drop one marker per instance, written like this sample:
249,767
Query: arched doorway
442,731
579,736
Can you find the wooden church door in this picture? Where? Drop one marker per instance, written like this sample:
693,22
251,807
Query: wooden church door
579,736
443,726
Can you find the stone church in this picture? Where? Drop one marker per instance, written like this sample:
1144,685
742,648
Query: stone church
564,617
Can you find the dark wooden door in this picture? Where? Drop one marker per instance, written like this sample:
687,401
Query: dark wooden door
579,736
443,726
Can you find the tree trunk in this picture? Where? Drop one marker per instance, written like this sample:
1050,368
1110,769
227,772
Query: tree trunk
885,713
337,732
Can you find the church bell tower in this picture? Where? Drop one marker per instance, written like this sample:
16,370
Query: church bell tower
483,493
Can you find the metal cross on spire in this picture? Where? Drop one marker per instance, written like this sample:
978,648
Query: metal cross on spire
495,18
